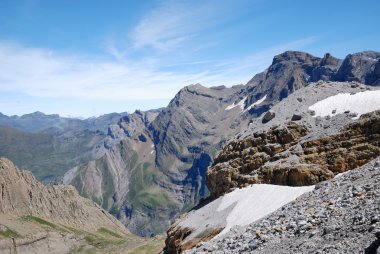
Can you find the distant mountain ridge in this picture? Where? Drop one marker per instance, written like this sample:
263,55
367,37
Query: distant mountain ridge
40,122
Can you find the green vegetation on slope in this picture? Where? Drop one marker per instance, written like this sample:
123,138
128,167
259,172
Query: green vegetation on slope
155,245
46,155
40,221
103,240
143,191
9,233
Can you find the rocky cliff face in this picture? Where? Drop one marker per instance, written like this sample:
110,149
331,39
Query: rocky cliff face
293,70
281,157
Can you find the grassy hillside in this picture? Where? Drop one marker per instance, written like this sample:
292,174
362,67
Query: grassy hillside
35,230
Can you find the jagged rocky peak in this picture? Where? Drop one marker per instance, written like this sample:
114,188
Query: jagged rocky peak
296,57
362,67
131,125
293,70
329,60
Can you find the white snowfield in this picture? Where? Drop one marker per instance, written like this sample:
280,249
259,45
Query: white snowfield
240,208
257,201
359,103
240,104
256,103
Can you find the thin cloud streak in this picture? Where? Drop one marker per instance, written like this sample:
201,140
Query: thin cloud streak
45,73
173,24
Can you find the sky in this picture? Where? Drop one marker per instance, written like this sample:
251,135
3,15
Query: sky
83,58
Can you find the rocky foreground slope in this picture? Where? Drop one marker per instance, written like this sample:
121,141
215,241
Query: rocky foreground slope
340,216
35,218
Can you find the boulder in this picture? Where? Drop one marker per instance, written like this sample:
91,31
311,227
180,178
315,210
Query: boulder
268,116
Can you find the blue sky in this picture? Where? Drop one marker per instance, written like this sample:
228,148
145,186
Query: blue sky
87,58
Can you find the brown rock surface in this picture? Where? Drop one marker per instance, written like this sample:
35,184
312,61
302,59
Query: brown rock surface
284,156
176,238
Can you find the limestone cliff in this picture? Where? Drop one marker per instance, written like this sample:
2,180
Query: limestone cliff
280,156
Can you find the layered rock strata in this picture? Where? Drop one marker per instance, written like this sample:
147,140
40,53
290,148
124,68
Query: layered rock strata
282,156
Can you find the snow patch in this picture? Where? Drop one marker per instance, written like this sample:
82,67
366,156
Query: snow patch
239,208
257,201
359,103
240,104
256,103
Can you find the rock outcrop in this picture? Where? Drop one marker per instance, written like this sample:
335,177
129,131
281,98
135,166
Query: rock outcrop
280,156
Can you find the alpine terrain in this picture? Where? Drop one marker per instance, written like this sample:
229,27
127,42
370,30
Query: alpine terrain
146,168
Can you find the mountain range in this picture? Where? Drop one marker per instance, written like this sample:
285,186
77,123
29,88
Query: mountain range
146,168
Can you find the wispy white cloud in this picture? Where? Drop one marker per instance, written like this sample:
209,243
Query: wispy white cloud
46,73
173,23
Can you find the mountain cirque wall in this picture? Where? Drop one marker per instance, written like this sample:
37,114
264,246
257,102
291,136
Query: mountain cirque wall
279,156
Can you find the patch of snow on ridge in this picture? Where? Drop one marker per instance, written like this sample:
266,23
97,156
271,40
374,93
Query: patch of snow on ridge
359,103
257,201
256,103
240,104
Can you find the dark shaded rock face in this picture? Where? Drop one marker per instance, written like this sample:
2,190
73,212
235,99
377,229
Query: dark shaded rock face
360,67
268,116
293,70
289,71
281,157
